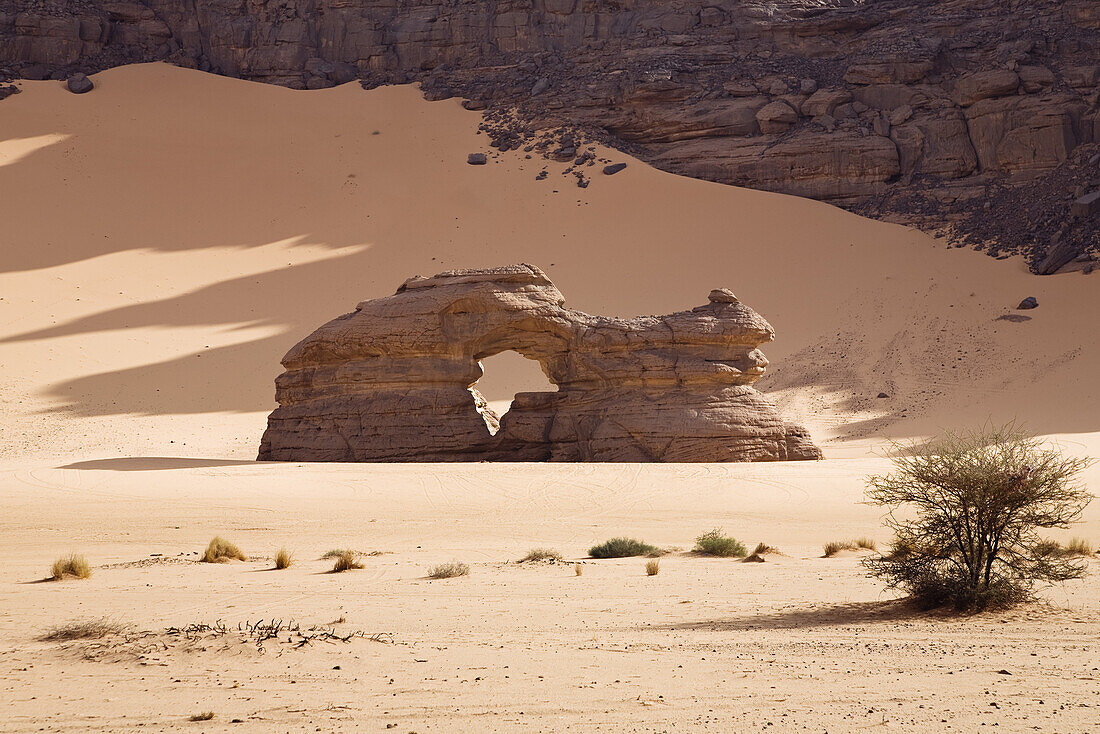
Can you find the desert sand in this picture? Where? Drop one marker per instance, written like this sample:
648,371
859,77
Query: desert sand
170,235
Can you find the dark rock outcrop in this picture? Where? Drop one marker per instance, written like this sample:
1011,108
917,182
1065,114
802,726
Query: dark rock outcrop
396,380
915,111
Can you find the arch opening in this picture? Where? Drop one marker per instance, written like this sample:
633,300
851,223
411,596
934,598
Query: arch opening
503,375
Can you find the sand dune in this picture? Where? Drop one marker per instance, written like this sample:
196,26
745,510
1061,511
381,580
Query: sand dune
170,235
158,257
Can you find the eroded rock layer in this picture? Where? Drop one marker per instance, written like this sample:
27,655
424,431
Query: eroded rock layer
395,380
928,111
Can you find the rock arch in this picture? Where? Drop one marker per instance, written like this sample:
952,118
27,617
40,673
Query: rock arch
391,381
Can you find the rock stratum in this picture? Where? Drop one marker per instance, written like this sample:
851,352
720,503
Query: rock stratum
981,115
395,380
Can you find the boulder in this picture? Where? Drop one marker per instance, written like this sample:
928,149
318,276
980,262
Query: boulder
984,85
79,84
825,101
776,117
1035,78
1086,206
477,159
395,380
614,168
1028,303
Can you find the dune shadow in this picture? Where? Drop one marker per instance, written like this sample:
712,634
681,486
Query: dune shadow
834,615
152,463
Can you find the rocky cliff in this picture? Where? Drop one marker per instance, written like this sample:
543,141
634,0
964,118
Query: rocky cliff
396,380
979,114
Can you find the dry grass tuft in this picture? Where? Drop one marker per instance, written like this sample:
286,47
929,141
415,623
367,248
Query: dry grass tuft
540,555
836,546
652,568
74,565
716,544
346,561
284,559
334,553
1078,547
578,569
449,570
87,630
221,550
763,548
204,716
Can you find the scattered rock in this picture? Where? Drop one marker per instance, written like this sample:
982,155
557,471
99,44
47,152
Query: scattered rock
79,84
1028,303
613,168
477,159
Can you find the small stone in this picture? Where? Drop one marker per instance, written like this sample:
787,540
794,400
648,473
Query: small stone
79,84
477,159
473,104
613,168
1003,672
722,295
883,395
1028,303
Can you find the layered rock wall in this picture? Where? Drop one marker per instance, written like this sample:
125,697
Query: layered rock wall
395,380
913,110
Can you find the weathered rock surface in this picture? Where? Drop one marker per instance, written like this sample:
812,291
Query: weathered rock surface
395,380
916,111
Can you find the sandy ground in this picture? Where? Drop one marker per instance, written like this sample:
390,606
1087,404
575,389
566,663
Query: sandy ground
170,235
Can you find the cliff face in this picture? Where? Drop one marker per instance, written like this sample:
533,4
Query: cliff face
927,112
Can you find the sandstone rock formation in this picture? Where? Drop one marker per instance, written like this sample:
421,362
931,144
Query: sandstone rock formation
918,111
395,380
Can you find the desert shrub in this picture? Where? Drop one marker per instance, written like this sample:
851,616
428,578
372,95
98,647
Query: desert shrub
346,561
538,555
84,630
283,559
449,570
221,550
204,716
652,568
622,548
973,505
762,548
74,565
716,544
